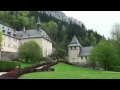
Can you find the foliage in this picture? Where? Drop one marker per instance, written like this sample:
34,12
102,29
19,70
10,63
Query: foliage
58,53
30,51
115,33
104,55
1,39
8,65
116,68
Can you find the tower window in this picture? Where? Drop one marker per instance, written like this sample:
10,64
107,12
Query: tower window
75,47
81,57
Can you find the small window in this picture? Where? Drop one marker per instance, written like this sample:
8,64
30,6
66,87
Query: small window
21,35
73,58
14,34
81,57
3,30
75,47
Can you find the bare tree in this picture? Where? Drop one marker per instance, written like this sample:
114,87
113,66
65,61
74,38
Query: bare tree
116,37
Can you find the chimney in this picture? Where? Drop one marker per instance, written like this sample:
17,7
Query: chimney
38,24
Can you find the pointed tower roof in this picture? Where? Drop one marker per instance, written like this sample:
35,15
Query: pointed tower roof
74,42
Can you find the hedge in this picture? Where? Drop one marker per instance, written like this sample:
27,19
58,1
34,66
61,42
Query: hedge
8,65
116,68
14,74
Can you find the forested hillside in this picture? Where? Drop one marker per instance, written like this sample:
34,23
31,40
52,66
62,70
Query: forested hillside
57,25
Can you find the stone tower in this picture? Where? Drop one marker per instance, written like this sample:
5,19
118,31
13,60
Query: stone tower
74,50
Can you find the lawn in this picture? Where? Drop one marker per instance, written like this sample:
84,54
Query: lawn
23,65
64,71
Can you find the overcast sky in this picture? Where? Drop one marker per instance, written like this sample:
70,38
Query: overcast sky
101,21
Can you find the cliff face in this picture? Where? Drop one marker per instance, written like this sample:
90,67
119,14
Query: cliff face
61,16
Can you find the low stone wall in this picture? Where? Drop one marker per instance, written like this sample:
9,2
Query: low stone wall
8,55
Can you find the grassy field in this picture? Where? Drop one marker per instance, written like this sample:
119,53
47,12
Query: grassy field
64,71
23,65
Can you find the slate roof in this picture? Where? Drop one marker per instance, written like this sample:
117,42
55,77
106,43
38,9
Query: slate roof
33,33
74,42
85,51
8,31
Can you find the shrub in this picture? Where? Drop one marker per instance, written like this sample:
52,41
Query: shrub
30,51
9,65
14,74
116,68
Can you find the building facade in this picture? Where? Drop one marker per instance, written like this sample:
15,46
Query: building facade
77,53
12,39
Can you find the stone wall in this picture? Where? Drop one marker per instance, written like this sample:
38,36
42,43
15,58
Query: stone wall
8,55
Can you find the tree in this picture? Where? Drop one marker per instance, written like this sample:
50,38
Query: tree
115,33
30,51
92,39
103,55
58,53
0,42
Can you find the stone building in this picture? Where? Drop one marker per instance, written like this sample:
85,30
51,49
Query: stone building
77,53
12,39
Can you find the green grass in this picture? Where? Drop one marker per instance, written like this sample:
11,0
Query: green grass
23,65
64,71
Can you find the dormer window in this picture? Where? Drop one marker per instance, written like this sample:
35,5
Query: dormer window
3,31
9,32
14,34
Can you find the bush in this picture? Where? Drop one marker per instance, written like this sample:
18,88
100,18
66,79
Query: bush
9,65
30,52
14,74
116,68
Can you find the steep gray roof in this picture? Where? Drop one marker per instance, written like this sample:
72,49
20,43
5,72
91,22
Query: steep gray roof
8,31
85,51
34,33
74,42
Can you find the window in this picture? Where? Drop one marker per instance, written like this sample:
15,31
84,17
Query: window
86,57
73,58
8,45
81,57
75,47
71,47
4,43
3,31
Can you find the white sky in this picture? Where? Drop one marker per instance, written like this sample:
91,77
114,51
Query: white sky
101,21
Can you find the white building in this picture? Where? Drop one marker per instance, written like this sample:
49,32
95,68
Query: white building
77,53
12,39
